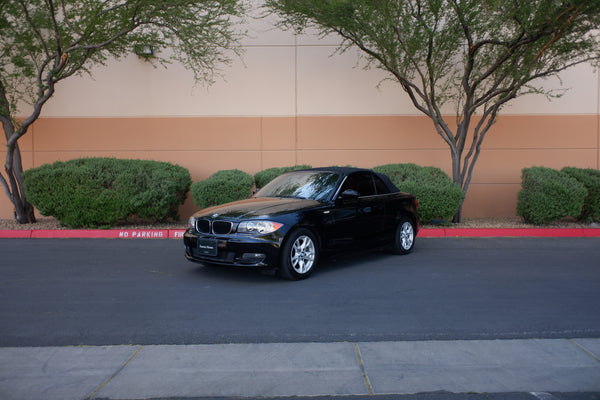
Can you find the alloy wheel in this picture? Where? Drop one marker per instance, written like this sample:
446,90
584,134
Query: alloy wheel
303,254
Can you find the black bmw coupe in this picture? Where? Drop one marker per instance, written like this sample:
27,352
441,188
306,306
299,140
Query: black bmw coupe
288,223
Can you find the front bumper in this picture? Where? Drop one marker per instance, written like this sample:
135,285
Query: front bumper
234,249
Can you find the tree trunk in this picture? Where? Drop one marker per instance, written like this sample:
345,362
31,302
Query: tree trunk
458,216
13,182
13,186
456,178
23,210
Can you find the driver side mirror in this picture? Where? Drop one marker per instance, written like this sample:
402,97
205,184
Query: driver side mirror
349,194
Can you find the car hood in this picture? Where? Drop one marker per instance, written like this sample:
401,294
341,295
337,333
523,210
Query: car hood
263,207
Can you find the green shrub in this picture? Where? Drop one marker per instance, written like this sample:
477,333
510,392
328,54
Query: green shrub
548,195
222,187
590,178
439,198
265,176
99,192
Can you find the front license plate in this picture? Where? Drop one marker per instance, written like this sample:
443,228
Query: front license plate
207,247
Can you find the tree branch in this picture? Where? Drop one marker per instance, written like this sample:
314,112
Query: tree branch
54,25
34,27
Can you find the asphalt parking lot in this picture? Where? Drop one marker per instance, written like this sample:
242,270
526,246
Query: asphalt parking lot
510,318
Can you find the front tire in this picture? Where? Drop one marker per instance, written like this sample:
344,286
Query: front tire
404,238
299,255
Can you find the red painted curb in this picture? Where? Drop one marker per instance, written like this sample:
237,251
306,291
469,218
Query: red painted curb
515,232
591,232
178,233
100,234
16,234
94,233
432,232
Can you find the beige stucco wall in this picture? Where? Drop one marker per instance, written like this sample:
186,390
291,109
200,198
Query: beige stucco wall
289,101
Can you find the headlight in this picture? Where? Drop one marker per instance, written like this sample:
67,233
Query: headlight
192,223
260,227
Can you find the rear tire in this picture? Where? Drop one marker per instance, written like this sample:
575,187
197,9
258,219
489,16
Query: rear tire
299,255
404,238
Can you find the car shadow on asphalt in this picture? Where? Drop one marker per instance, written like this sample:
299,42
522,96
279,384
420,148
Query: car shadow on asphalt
355,261
328,264
228,273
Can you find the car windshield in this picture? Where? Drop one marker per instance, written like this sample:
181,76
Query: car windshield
311,185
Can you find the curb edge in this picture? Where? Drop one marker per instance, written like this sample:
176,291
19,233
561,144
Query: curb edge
178,233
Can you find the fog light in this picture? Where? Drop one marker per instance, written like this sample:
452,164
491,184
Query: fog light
253,256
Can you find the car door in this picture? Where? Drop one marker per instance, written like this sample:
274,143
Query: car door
357,218
386,211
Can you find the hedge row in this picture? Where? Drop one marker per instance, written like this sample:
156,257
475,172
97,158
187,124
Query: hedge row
438,197
231,185
222,187
549,195
99,192
590,179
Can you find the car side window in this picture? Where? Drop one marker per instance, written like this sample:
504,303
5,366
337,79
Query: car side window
360,182
380,186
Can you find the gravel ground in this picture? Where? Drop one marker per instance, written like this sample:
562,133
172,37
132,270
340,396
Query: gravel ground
51,223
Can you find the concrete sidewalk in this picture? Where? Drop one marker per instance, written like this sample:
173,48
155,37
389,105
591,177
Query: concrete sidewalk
303,369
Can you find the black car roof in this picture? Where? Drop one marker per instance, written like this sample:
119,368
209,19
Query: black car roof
339,170
345,171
